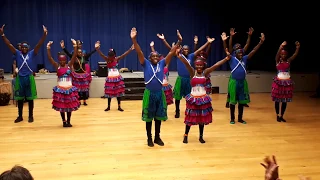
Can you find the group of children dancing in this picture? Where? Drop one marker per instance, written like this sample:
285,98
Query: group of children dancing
193,82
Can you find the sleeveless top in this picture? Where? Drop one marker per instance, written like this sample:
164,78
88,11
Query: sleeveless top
283,69
166,76
113,68
64,77
197,85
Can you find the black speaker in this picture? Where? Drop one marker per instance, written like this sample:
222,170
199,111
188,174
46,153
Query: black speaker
102,69
40,66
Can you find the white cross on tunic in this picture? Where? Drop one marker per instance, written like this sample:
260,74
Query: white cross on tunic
154,74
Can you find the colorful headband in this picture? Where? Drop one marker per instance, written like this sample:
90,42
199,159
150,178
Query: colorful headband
25,45
62,57
199,62
284,51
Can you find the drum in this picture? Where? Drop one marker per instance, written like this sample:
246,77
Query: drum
5,93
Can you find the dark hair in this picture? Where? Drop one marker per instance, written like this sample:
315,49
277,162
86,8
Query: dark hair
112,53
16,173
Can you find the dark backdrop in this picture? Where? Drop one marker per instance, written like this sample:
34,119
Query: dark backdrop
111,22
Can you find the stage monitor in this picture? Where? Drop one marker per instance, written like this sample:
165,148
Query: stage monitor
102,69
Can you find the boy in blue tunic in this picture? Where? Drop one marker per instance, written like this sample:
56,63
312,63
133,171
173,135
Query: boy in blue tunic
25,86
154,105
238,86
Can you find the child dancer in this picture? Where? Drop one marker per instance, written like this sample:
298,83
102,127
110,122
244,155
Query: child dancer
238,87
25,86
204,55
233,48
114,85
199,108
282,86
154,105
65,95
80,75
182,86
166,87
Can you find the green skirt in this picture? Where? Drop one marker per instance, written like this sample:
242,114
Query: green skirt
181,88
238,92
25,88
154,106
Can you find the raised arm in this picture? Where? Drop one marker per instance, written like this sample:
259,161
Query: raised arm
74,55
279,50
51,60
161,36
295,53
195,44
97,47
245,48
41,41
133,36
6,40
218,64
209,41
64,49
255,49
232,33
87,56
126,53
152,46
224,38
184,60
173,49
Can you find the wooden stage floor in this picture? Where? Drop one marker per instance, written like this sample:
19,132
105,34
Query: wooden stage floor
112,145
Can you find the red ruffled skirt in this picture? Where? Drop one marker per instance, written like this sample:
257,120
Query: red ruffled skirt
198,111
114,87
282,90
65,99
169,93
81,81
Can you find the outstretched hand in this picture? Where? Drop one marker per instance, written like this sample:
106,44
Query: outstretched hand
62,44
49,44
133,33
271,168
151,44
179,35
2,29
297,44
232,32
210,40
224,36
74,42
45,30
250,31
195,39
284,43
262,38
97,45
161,36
